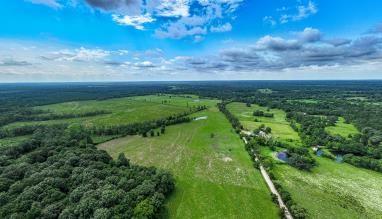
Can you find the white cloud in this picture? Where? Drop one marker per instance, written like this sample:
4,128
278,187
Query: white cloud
303,11
277,43
270,57
269,20
220,29
81,54
134,21
198,39
144,64
50,3
178,18
310,35
288,14
179,30
173,8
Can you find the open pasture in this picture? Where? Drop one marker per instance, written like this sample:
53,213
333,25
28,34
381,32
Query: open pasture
334,190
120,110
331,190
214,174
280,127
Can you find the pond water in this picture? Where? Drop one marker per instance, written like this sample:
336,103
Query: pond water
319,153
339,158
282,156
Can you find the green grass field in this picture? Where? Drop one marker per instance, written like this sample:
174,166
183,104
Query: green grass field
308,101
123,110
341,128
8,142
334,190
331,190
214,175
280,127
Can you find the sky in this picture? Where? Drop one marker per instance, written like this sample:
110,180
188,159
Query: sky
166,40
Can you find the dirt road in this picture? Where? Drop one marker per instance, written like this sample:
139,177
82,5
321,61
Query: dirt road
272,187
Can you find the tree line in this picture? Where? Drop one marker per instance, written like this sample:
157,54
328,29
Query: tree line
142,128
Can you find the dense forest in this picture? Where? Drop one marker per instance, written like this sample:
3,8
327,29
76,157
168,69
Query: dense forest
59,173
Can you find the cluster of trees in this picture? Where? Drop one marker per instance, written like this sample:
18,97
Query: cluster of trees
364,162
297,157
59,173
19,131
361,150
15,114
231,118
312,131
263,114
300,158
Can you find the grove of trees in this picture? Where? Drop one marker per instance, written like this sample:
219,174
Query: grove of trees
59,173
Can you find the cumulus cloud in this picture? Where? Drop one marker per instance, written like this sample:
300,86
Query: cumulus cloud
123,7
179,30
50,3
173,8
177,18
338,41
277,44
310,35
135,21
305,49
145,64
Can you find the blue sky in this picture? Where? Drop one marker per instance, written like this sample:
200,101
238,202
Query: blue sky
123,40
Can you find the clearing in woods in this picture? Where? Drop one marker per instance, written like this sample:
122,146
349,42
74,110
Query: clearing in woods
214,175
341,128
330,190
280,127
121,110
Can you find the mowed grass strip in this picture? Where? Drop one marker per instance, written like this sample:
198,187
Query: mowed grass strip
341,128
122,110
214,174
331,190
281,129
